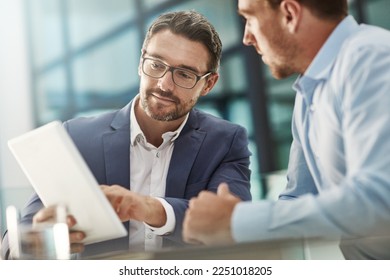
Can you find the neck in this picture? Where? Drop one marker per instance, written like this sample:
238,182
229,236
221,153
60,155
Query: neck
316,32
154,129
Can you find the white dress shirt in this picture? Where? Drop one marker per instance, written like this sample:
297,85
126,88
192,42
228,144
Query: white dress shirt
148,172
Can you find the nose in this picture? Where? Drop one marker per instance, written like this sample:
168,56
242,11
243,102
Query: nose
166,83
247,38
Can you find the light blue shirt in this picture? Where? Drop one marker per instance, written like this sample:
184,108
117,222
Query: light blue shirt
339,168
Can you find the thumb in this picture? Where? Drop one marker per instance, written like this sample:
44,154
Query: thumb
223,190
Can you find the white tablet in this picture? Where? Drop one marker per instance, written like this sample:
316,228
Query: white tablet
59,175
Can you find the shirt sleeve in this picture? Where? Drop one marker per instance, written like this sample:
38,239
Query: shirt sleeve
171,220
359,205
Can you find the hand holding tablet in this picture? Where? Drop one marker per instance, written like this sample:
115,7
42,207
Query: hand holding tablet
59,175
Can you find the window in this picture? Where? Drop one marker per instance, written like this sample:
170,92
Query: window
85,54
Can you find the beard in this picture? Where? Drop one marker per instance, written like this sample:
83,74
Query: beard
285,50
161,112
281,72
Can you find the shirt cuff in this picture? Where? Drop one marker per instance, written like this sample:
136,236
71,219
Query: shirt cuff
171,219
249,221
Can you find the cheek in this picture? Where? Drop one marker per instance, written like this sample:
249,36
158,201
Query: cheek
261,36
141,82
186,98
194,98
265,41
146,82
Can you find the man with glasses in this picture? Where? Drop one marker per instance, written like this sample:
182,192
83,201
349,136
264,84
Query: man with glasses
156,153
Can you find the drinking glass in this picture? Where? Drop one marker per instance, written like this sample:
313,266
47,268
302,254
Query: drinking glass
43,241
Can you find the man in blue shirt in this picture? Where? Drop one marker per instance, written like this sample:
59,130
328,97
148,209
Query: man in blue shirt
339,168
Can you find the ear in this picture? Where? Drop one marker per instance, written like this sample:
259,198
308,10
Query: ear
292,12
210,83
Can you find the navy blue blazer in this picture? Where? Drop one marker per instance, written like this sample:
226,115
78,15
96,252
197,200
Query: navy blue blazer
208,151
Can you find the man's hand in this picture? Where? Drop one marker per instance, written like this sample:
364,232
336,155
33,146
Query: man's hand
132,206
48,214
207,220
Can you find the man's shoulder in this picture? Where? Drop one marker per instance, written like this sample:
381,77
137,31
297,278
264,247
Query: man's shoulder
211,122
361,50
115,117
368,37
88,126
100,123
92,120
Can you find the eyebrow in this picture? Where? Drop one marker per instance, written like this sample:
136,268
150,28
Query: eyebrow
192,69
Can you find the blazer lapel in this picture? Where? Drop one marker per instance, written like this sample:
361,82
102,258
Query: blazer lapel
117,149
187,146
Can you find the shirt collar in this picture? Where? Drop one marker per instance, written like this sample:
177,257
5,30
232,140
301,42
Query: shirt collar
136,131
321,66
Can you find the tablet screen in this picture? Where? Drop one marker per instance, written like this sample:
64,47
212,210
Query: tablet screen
59,175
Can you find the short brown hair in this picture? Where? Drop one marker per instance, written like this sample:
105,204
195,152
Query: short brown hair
326,9
193,26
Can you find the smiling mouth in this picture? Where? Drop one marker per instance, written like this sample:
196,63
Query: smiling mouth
164,99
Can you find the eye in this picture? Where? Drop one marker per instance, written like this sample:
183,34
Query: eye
155,65
182,74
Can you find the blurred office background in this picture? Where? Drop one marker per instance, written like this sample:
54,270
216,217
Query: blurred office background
66,58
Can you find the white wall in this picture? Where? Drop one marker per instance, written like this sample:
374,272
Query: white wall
15,93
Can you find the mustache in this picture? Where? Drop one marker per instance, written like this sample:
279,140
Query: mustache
167,94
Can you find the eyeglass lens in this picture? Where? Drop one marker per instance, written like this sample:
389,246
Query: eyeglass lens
157,69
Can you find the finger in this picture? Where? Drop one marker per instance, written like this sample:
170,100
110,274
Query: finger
123,214
192,202
45,214
193,241
187,236
223,189
76,248
71,221
115,200
76,236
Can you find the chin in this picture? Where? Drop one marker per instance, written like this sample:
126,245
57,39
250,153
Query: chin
281,73
163,117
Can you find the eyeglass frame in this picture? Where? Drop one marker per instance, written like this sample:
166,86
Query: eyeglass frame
172,69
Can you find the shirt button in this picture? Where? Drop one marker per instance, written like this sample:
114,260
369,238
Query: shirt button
138,138
158,154
149,236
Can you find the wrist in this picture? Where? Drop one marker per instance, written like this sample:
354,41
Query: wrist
155,212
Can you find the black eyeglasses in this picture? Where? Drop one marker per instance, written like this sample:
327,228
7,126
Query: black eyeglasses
181,77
